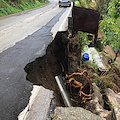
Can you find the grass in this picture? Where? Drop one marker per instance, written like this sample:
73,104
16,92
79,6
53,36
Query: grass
92,65
6,8
104,81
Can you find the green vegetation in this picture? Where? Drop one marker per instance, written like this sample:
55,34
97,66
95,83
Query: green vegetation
85,3
13,6
83,39
102,81
105,83
92,66
52,116
110,26
110,23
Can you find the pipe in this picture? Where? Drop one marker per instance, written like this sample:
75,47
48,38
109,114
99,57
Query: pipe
63,91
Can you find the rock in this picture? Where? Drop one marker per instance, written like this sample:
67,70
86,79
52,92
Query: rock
109,51
106,114
114,100
112,97
96,93
74,113
117,112
96,108
96,105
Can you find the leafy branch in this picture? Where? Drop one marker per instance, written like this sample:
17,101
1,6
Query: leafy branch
110,27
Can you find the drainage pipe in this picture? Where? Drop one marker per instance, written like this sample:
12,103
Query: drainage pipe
63,91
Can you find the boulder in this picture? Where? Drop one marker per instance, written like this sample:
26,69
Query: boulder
96,105
96,93
114,100
74,113
97,109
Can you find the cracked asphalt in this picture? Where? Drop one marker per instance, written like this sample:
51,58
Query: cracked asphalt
14,88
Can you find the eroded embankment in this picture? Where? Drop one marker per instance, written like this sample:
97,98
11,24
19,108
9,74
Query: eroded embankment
43,70
63,56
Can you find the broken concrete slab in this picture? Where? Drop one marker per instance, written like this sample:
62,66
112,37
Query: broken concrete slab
74,113
38,106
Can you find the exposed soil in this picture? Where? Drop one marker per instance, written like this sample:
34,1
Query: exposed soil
78,94
63,56
43,70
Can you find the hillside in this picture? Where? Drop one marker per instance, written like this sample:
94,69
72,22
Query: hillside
14,6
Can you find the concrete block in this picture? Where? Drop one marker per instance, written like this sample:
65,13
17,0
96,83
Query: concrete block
38,108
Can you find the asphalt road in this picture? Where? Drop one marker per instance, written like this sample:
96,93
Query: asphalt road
22,41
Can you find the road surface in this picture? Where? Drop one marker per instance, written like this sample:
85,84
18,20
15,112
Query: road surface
23,38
